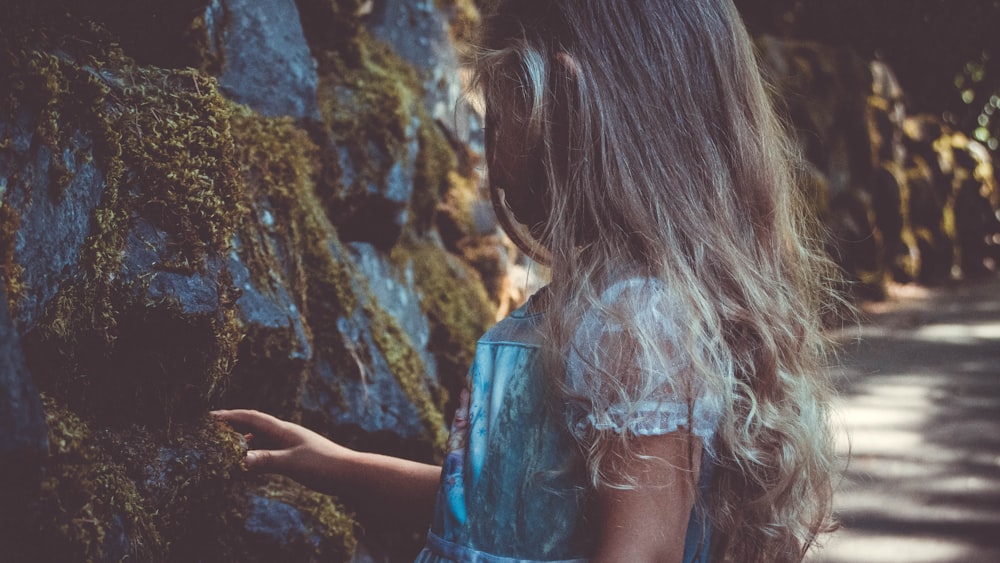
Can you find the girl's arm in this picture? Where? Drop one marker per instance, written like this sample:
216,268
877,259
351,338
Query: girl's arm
387,486
649,523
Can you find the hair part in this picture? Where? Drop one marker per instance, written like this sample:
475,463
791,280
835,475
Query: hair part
658,154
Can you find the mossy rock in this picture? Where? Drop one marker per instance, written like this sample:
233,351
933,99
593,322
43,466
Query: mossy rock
200,260
167,206
292,254
172,496
266,62
372,108
377,395
456,305
280,520
86,508
277,263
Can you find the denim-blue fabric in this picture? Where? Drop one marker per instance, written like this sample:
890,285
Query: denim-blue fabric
514,486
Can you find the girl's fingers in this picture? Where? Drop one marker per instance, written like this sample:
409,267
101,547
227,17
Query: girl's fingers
265,461
241,415
264,427
270,439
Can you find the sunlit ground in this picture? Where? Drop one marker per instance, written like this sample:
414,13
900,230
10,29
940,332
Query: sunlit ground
920,410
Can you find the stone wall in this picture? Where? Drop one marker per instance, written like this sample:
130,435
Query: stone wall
228,203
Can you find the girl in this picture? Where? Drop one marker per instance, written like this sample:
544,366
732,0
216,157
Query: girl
661,399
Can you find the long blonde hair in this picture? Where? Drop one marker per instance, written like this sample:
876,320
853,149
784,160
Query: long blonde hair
642,142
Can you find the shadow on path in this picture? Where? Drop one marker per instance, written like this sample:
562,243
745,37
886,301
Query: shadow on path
920,400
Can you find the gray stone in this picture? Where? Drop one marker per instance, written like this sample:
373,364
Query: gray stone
366,405
277,350
276,520
419,32
395,290
278,527
54,224
266,60
377,211
374,412
147,249
269,309
22,422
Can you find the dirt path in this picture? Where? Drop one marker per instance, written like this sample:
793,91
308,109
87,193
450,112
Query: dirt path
920,400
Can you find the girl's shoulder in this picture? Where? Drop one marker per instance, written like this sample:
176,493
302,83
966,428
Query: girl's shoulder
637,304
631,368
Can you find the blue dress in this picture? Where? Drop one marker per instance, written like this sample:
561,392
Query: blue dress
514,487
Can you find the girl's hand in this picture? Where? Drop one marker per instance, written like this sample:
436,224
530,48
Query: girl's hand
277,446
385,486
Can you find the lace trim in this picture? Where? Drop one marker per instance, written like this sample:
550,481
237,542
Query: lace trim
650,419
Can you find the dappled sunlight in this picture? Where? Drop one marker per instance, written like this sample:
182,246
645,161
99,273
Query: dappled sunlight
960,333
966,484
887,441
854,547
918,416
890,415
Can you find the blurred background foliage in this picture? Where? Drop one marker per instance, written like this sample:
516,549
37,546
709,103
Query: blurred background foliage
946,53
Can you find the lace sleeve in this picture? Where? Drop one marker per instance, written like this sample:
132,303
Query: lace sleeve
627,370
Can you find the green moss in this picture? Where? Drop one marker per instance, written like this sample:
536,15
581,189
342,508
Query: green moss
43,82
300,249
410,372
11,271
281,162
329,288
333,525
435,166
464,17
457,307
310,527
176,128
278,162
279,166
371,101
88,510
168,129
178,472
166,134
392,342
64,96
369,105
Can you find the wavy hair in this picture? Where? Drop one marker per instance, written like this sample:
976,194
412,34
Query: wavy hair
637,139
